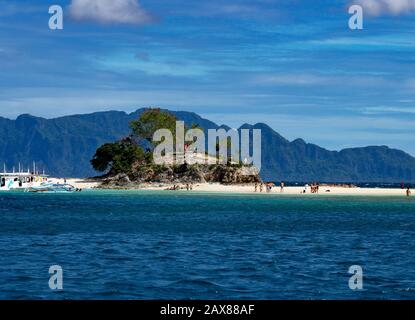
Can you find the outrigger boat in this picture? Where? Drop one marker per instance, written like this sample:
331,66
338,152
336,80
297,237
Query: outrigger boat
52,188
20,181
31,182
11,181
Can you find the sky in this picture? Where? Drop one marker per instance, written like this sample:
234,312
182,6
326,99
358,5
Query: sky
294,65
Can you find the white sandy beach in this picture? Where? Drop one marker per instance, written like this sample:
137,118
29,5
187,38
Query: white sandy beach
324,190
250,189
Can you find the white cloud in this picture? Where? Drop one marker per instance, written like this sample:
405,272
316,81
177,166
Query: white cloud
380,7
388,110
109,11
299,79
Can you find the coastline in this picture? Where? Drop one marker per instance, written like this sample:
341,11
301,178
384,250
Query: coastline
249,189
88,184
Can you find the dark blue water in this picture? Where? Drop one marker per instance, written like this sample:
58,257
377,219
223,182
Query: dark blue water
166,245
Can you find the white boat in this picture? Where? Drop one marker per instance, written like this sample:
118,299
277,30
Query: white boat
21,180
32,182
52,188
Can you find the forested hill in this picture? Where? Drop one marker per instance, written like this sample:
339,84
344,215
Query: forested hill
64,147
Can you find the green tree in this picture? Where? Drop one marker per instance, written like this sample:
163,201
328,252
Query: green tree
119,157
104,156
152,120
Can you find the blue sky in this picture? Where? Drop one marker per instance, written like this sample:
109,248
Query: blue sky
294,65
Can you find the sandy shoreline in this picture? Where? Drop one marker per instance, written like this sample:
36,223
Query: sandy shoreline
250,189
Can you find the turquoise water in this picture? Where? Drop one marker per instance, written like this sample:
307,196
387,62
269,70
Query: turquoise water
178,245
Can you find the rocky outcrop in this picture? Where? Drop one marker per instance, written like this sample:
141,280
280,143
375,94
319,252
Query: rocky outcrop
231,175
225,174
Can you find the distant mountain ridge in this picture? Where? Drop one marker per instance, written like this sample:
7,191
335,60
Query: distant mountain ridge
64,146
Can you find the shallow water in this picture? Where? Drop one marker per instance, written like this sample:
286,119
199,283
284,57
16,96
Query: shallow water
177,245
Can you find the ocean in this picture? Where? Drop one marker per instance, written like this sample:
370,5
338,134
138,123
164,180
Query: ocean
179,245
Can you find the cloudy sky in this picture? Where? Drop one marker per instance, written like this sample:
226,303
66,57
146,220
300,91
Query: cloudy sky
293,64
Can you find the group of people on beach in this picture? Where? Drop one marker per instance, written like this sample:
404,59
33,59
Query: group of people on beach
268,186
314,188
175,187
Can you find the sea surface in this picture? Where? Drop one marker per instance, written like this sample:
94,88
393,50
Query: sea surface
179,245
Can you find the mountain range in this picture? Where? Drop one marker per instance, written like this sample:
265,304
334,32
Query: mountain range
64,146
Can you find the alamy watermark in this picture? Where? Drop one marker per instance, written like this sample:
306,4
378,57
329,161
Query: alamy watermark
56,278
355,21
356,280
56,20
224,147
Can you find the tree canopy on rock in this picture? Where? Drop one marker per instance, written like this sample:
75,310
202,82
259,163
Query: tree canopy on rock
120,156
152,120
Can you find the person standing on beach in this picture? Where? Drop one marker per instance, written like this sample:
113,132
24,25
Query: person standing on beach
256,186
408,192
282,186
260,187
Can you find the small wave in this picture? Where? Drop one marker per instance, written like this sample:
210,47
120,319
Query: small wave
194,282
